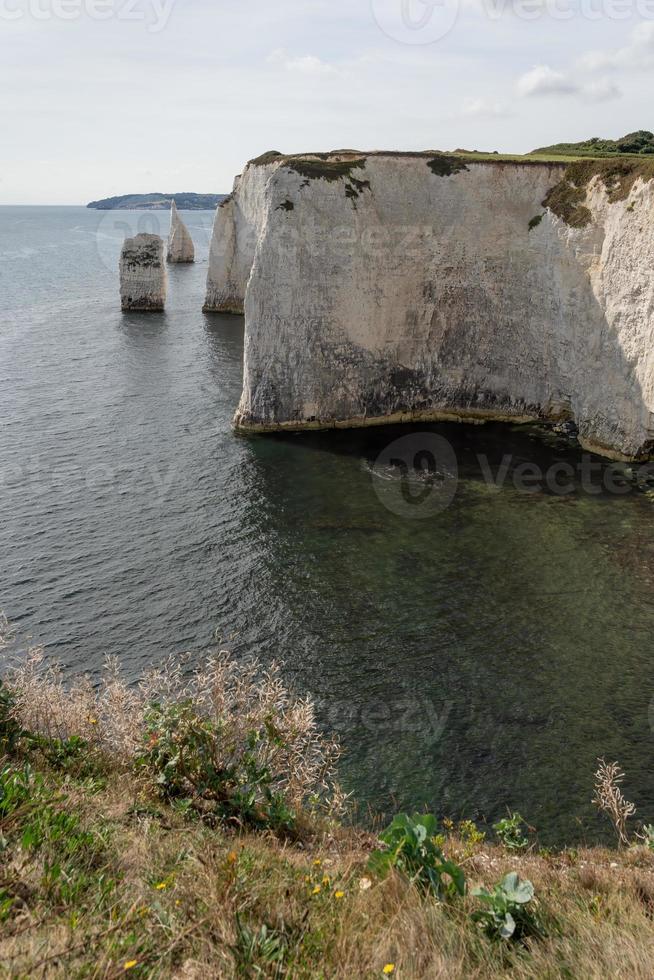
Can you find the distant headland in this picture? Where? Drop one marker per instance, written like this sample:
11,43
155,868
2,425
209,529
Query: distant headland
159,202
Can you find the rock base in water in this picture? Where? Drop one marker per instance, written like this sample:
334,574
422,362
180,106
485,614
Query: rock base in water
180,243
143,273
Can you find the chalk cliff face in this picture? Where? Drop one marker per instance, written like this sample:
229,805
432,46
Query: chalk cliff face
237,229
394,287
143,280
180,243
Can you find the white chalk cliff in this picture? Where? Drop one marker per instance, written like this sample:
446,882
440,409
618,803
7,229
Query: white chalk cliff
399,287
236,232
180,243
143,280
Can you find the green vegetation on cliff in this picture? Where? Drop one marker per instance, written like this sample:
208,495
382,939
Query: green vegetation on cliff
187,827
618,174
641,142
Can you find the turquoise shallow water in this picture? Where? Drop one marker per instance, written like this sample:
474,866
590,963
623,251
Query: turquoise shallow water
477,657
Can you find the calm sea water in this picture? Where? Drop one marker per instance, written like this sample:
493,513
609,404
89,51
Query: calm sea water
479,657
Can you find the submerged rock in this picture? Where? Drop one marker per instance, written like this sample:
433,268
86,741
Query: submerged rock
143,279
180,243
390,287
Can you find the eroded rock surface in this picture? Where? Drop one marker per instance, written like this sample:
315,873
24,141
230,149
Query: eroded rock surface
405,287
237,229
180,243
143,280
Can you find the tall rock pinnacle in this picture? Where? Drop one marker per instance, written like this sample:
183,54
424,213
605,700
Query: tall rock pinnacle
180,243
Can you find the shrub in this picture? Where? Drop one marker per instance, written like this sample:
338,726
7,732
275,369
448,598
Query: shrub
506,915
230,736
412,848
509,831
193,756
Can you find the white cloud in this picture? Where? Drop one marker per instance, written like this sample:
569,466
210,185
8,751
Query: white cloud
483,109
307,64
637,55
543,80
603,90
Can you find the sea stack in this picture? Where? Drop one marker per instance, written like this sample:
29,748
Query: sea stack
143,278
180,243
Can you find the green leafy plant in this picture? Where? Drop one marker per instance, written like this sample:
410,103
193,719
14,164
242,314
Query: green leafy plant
647,836
10,730
470,834
413,849
258,952
510,832
189,756
20,788
506,914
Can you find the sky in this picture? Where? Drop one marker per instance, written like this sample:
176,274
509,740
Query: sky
104,97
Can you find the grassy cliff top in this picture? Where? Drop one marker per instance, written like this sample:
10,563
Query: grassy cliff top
335,156
639,143
619,171
175,829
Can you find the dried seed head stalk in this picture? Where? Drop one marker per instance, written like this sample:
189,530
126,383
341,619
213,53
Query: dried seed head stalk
609,799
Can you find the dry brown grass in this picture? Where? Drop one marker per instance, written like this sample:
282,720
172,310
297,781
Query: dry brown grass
123,883
597,905
239,698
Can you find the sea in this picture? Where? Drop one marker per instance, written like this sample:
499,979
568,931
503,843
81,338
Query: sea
470,607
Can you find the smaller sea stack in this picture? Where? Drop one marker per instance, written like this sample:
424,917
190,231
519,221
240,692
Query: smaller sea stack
143,278
180,243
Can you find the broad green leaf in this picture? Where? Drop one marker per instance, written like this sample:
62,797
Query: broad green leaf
508,928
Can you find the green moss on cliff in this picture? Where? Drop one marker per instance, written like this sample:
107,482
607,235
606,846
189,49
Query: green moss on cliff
324,168
444,166
270,156
355,188
566,199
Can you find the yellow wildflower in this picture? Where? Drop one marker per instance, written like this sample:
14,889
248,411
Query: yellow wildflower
161,885
389,968
325,880
339,894
92,721
316,890
130,964
317,862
